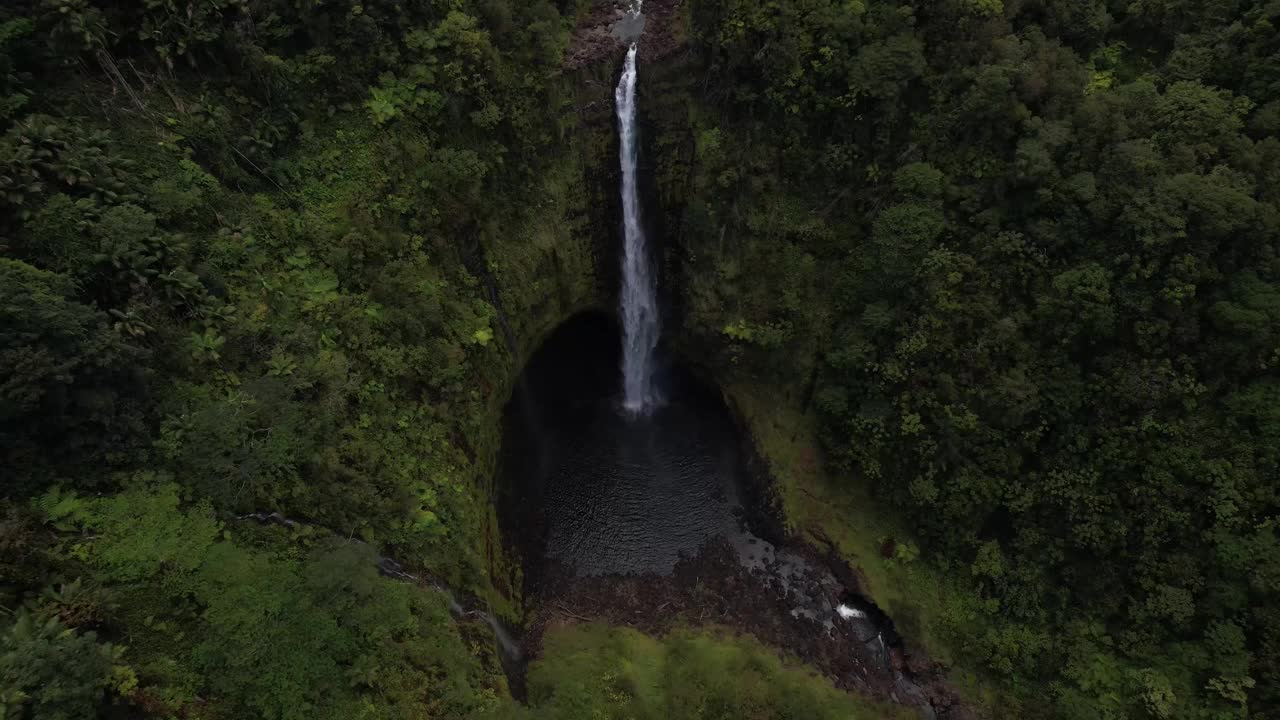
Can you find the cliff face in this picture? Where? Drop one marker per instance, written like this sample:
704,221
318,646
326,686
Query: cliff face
564,258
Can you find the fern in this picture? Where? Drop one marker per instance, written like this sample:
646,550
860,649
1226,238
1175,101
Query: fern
67,511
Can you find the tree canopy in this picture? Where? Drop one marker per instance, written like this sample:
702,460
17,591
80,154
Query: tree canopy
1049,230
1018,257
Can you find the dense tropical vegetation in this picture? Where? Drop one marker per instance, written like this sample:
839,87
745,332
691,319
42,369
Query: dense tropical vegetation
244,253
1022,259
1018,257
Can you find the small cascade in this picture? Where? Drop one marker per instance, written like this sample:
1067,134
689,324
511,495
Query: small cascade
510,648
393,569
849,613
640,321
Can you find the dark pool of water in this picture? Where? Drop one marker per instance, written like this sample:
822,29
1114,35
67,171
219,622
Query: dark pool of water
632,495
591,489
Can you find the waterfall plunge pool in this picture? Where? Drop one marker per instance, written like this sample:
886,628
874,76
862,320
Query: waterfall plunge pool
654,520
589,489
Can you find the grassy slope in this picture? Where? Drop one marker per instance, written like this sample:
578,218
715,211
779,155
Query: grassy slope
932,612
599,671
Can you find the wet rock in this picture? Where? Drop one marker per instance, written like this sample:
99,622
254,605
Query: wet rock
607,30
715,588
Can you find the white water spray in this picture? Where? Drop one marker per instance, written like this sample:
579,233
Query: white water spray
849,613
640,322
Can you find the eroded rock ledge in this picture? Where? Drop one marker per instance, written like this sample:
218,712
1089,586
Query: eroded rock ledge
595,39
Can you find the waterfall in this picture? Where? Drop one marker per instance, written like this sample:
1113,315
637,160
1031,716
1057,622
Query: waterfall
639,288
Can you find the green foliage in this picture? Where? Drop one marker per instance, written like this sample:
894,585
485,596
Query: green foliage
64,366
75,26
271,634
49,671
595,671
42,154
14,93
1046,340
1018,257
224,289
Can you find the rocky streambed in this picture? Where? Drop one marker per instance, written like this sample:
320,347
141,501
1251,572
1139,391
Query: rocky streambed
606,30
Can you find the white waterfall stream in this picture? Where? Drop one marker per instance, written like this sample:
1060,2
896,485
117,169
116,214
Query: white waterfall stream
640,321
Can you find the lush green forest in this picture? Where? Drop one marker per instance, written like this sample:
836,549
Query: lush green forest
1017,259
245,253
1021,259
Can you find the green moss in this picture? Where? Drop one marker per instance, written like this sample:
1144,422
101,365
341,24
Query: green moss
598,671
